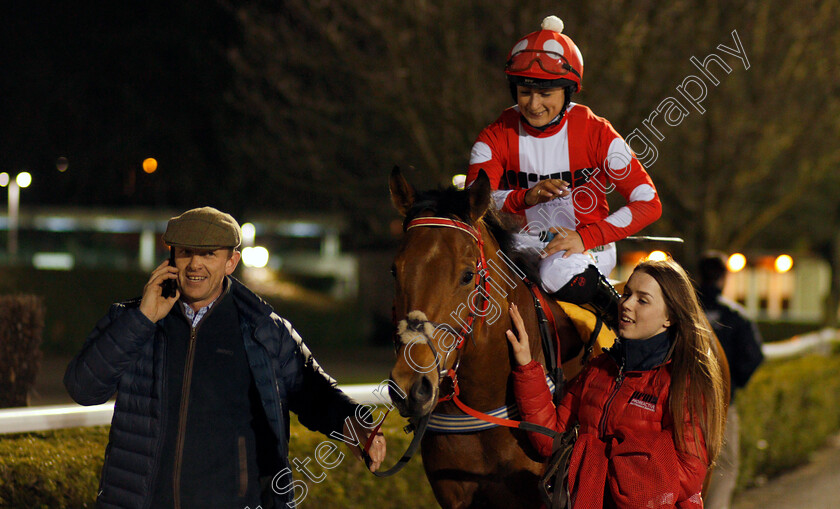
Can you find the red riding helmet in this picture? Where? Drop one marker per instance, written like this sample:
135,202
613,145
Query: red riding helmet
545,58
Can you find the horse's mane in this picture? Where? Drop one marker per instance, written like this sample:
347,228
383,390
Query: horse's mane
455,204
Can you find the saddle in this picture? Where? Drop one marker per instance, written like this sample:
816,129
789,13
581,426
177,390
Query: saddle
593,334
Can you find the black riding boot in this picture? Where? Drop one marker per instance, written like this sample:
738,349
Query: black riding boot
591,287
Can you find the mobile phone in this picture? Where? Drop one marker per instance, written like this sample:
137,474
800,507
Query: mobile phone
169,287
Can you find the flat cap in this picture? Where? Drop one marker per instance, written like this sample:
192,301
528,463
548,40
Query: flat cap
203,228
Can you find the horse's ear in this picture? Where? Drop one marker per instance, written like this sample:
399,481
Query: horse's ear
479,196
402,193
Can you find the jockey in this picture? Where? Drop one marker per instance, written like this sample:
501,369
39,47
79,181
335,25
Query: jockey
553,162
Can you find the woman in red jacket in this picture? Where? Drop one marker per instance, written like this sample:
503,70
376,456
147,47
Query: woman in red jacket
650,410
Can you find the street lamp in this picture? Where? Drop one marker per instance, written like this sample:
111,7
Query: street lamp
22,180
736,262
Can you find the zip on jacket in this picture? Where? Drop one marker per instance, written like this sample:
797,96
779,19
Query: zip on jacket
182,417
602,426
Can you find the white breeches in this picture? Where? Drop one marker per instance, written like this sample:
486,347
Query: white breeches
556,271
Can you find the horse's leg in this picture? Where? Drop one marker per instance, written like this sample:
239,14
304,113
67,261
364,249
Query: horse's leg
445,460
519,471
487,470
451,494
503,491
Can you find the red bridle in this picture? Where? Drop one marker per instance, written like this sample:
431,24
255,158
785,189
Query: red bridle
449,376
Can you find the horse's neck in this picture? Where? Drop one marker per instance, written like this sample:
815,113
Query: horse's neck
510,281
511,287
486,380
524,300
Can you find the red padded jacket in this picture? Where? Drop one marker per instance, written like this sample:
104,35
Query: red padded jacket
626,443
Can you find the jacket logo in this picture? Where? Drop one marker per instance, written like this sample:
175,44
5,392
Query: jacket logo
644,401
223,351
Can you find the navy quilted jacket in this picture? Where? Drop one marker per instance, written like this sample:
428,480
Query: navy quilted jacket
124,354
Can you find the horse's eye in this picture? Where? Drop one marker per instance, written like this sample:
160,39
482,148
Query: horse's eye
467,278
394,270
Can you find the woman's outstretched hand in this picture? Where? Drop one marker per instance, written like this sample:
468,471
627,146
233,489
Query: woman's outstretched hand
519,341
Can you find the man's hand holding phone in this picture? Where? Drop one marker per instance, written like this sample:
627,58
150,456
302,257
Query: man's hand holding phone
155,303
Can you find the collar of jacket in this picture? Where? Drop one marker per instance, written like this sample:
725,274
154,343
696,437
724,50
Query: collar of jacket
182,305
641,355
250,305
546,130
549,129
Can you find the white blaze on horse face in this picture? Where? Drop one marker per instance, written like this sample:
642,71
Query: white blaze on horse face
409,336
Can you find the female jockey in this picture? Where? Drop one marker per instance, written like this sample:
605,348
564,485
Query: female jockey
554,162
651,409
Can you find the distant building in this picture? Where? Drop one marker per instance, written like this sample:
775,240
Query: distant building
62,239
796,295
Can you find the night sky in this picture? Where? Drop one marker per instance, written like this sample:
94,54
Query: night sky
107,86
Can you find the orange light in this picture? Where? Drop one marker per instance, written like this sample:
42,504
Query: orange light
633,258
783,263
736,262
657,256
149,165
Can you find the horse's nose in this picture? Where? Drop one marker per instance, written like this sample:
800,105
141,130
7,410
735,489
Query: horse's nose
422,390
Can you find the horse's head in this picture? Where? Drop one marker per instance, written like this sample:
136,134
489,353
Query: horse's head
438,278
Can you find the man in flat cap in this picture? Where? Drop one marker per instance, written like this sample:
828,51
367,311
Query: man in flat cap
205,380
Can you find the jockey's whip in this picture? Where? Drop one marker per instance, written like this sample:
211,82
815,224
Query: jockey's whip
646,238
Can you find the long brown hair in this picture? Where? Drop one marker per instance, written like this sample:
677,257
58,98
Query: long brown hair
696,379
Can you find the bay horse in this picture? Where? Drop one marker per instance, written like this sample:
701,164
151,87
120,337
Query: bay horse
452,237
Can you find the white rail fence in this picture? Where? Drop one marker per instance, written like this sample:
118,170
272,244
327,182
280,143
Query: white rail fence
19,420
805,343
40,418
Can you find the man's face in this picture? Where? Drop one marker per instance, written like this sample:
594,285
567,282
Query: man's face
201,273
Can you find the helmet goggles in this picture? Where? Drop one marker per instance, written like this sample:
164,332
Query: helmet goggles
550,62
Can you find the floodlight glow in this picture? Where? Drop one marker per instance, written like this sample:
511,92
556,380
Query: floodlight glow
249,233
149,165
300,229
23,179
783,263
736,262
53,261
256,256
459,181
657,256
4,179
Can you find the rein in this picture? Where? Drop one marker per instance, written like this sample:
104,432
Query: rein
448,378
